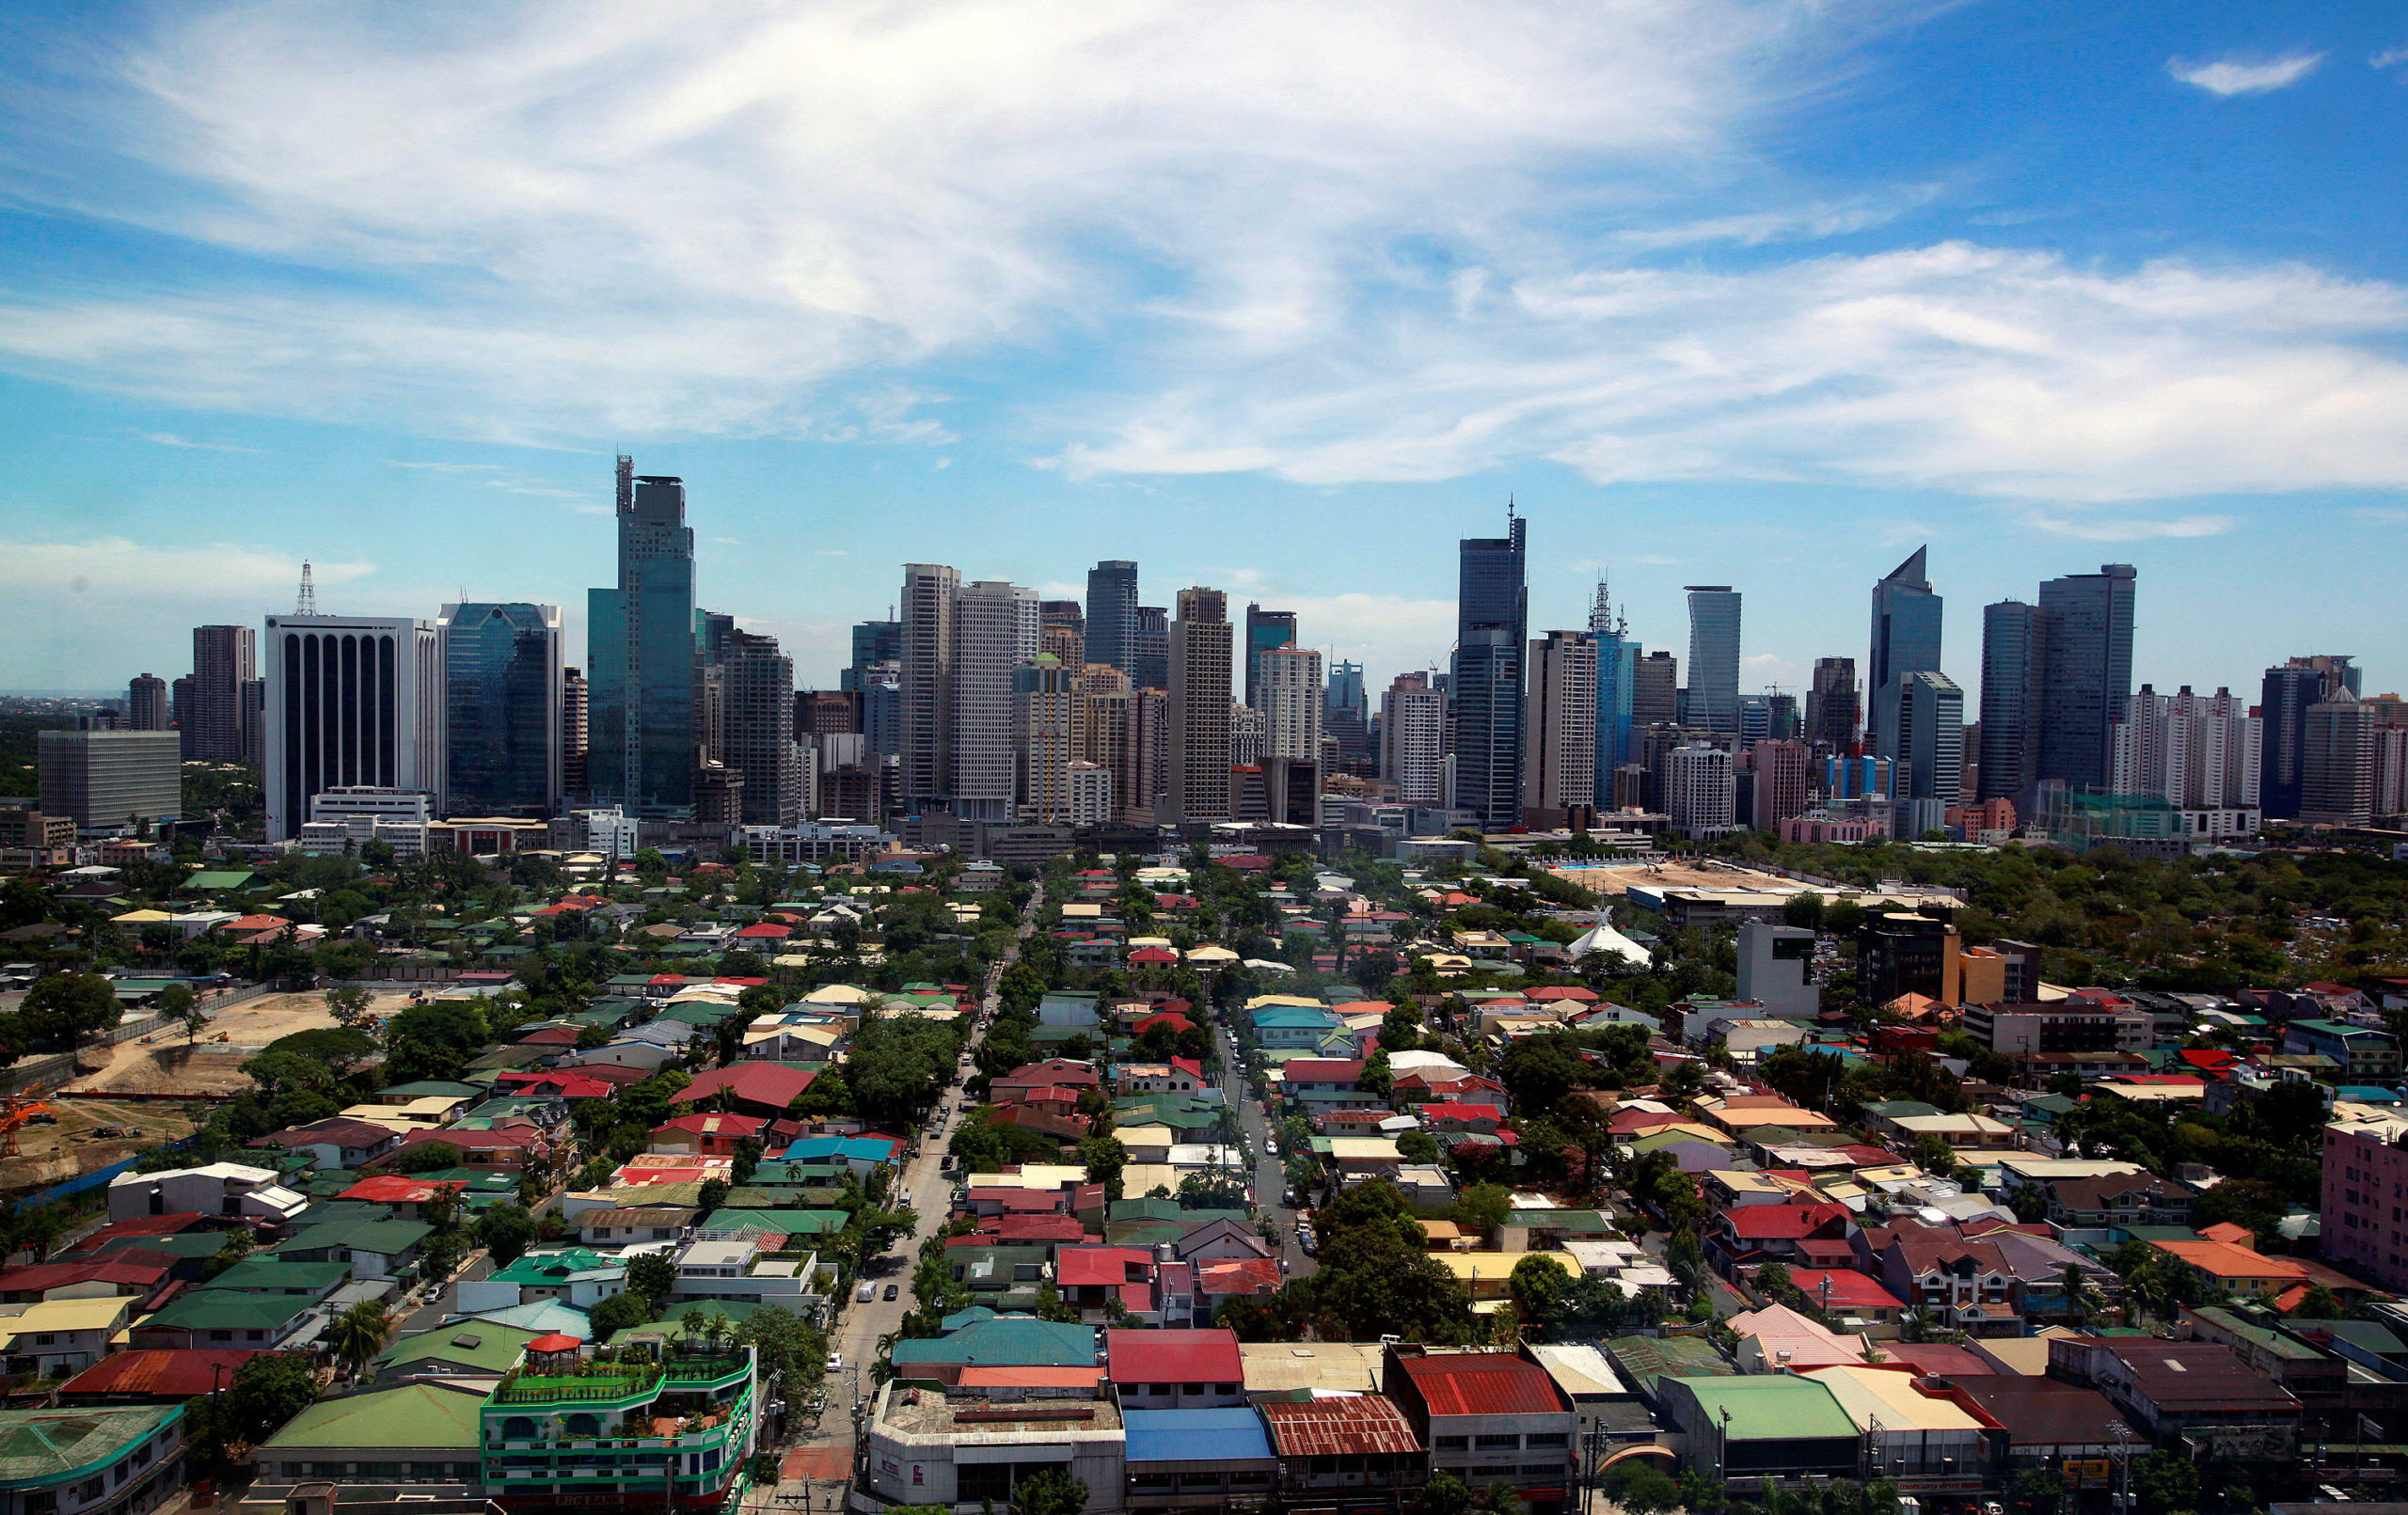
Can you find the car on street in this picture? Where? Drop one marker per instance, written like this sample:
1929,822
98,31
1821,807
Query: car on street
835,1362
868,1293
893,1289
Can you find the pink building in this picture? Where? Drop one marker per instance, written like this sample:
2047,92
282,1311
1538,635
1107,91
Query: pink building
2364,1198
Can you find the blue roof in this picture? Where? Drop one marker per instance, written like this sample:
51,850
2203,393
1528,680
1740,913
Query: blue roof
858,1148
1004,1341
545,1316
1196,1436
1293,1015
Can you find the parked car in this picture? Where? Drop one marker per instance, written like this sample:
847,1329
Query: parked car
893,1289
866,1293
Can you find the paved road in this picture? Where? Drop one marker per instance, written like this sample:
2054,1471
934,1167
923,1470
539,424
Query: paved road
429,1315
1270,1175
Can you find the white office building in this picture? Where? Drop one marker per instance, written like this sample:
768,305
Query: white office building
1700,792
352,701
994,632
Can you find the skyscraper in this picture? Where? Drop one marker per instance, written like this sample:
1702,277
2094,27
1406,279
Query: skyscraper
756,726
2289,692
1413,754
1346,712
1617,690
1197,747
1832,716
501,702
924,724
1061,629
224,659
1045,726
1655,694
353,701
1264,631
1288,685
573,732
1492,622
994,632
146,703
107,780
1906,640
2191,750
1559,762
1930,737
639,656
874,642
1700,792
1781,789
2338,776
1150,648
1112,614
1714,657
2086,673
2014,650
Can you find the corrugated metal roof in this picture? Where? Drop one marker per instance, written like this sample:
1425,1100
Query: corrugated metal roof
1204,1356
182,1374
1339,1426
1484,1384
1226,1435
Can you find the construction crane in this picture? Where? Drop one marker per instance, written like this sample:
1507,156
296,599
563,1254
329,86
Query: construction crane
16,1117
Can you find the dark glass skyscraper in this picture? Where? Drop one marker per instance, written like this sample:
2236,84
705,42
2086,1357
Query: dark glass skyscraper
2014,638
1112,618
874,642
1148,647
639,656
1492,623
1265,631
2086,673
2288,693
501,702
1714,657
1906,640
1832,718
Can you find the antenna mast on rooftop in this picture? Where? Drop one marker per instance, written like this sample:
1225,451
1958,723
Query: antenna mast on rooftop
308,602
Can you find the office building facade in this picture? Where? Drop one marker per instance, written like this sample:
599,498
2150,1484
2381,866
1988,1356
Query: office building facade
875,643
1834,717
352,700
756,730
1289,692
2338,773
2287,693
1559,761
1655,694
1112,615
1714,657
1783,771
2013,640
639,656
1150,648
1929,764
1197,746
1346,712
1492,622
1701,792
2086,673
1045,730
1617,685
924,726
1265,631
572,731
994,632
225,667
1906,640
105,780
501,709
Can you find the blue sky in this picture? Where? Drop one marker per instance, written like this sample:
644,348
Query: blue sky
1283,298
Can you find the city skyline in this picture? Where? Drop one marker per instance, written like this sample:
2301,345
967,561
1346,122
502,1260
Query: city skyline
1721,294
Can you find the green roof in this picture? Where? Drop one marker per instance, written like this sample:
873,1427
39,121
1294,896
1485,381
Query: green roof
270,1275
1006,1341
48,1447
432,1089
384,1237
214,879
794,1222
471,1343
1587,1222
413,1415
2261,1337
226,1309
1770,1407
1145,1210
1645,1359
554,1267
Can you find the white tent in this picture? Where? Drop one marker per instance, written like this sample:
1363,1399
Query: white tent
1605,939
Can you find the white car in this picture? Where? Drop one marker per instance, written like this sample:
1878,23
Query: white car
835,1362
866,1293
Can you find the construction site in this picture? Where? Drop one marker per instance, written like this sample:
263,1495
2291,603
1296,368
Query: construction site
1702,873
148,1090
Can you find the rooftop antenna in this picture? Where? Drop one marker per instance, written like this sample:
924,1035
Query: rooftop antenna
1509,507
308,602
627,483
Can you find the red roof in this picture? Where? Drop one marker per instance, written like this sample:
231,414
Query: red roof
1850,1291
1584,996
563,1084
759,1083
765,929
1238,1275
1770,1223
556,1342
60,1274
1099,1265
1461,1113
1048,1227
2231,1231
399,1189
1153,955
180,1375
1320,1070
1347,1425
1936,1358
1484,1384
255,923
738,1126
1054,1070
1209,1356
1166,1017
551,1036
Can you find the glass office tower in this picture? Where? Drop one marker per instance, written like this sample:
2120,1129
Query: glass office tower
502,693
639,656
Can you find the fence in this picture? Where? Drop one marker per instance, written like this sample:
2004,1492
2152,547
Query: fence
45,1073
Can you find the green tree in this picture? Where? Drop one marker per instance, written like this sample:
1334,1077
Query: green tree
652,1276
359,1333
1049,1491
712,1195
61,1009
1538,1284
2162,1483
1417,1147
1105,1158
1443,1494
178,1003
426,1157
618,1313
2318,1304
504,1231
1484,1208
2034,1492
348,1003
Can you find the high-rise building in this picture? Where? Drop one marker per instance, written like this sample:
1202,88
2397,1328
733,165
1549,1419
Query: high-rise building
881,709
874,642
1045,710
1906,640
357,701
501,709
224,659
1265,630
106,779
1714,657
1492,622
1617,689
1112,615
572,731
1833,714
1413,753
2013,656
2086,673
756,726
1196,747
1701,794
1559,761
1783,782
1346,712
1150,648
1929,763
994,632
2337,778
1145,757
2191,750
924,725
2290,690
1061,629
1248,734
146,703
639,656
1654,693
180,704
1288,691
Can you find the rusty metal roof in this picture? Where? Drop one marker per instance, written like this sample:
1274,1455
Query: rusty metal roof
1338,1426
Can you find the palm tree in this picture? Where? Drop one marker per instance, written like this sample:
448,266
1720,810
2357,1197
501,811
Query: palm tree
2083,1299
693,1323
359,1333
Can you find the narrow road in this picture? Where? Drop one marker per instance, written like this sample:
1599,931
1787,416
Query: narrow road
1270,1174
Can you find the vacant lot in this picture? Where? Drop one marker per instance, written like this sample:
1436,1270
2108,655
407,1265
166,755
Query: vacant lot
47,1154
1676,875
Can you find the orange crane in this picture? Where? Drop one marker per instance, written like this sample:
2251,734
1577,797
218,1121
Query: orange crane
16,1117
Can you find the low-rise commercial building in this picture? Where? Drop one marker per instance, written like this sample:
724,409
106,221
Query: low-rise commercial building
86,1461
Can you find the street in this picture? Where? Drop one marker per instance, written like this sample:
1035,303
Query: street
1270,1174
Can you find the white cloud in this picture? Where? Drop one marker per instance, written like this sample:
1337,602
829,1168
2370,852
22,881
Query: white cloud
2099,528
111,566
172,439
2387,57
2227,77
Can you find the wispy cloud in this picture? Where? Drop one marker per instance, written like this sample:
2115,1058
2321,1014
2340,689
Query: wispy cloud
2387,57
109,565
510,482
2375,516
172,439
2227,77
2100,529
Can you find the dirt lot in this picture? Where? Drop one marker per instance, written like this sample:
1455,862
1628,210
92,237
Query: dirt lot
1675,875
56,1152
